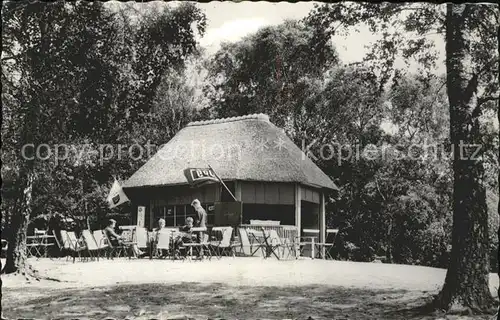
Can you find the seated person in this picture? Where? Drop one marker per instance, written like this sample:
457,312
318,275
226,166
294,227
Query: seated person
161,226
117,240
185,235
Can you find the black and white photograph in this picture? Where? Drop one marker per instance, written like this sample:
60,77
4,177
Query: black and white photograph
223,160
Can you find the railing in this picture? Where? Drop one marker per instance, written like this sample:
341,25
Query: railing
284,231
287,233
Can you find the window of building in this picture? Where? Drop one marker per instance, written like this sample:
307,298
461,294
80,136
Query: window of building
158,212
226,196
180,215
170,216
209,209
190,212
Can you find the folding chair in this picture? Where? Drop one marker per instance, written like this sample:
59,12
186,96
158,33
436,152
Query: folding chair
72,244
256,239
277,243
222,243
332,235
33,247
90,244
102,242
118,248
273,243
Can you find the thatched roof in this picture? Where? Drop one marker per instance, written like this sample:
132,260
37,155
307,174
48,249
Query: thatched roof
240,148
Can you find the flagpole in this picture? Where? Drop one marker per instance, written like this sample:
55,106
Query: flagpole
232,195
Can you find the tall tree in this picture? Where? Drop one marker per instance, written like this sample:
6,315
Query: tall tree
274,70
72,75
471,36
466,281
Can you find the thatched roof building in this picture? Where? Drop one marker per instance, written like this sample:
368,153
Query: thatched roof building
247,148
263,168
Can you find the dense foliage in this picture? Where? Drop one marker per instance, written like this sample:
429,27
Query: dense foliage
95,79
83,75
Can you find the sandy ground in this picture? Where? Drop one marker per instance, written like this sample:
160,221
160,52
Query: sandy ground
230,288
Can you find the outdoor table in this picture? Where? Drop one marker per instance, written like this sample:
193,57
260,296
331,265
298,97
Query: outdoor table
199,246
312,240
38,243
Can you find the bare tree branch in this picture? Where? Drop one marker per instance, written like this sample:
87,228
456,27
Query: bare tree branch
483,100
378,189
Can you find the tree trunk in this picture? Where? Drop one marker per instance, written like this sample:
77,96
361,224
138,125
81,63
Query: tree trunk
16,252
389,241
466,282
498,232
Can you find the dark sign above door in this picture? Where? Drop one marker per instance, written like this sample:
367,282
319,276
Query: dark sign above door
228,213
200,176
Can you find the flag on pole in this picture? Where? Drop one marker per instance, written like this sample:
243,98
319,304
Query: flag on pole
116,195
198,177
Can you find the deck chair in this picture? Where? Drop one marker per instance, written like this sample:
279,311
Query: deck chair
102,242
141,238
221,242
163,241
72,244
91,245
246,246
331,235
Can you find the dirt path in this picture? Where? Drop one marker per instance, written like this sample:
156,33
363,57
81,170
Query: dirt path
229,289
201,301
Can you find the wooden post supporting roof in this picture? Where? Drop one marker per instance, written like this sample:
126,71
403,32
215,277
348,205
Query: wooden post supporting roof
298,198
237,190
322,223
151,203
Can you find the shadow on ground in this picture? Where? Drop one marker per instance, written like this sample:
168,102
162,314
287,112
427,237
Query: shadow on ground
157,301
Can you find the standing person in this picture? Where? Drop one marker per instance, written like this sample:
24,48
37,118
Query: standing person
201,221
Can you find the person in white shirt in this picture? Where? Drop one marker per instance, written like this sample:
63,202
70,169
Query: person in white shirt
201,221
